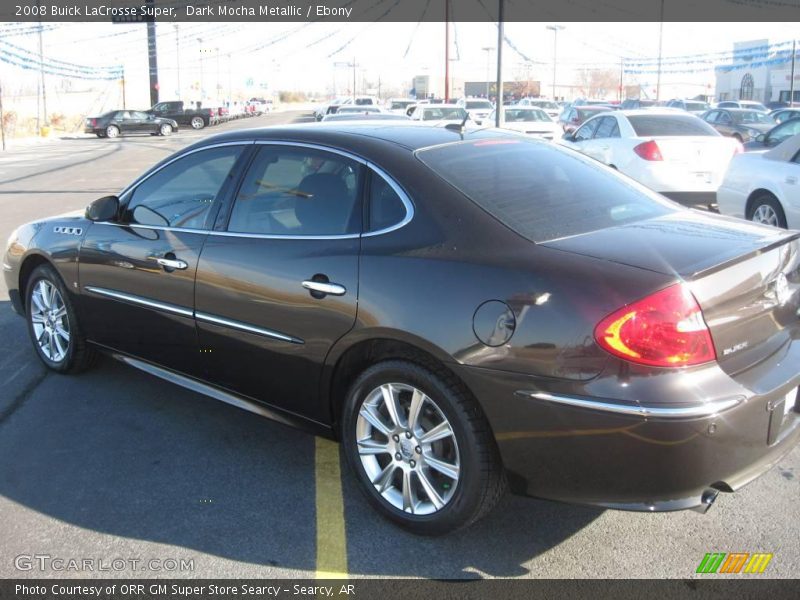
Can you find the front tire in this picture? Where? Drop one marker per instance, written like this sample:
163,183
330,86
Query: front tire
53,324
767,210
112,131
421,448
165,129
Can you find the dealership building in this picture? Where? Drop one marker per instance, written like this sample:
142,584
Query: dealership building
758,71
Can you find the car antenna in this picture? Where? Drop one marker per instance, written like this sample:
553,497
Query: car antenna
461,127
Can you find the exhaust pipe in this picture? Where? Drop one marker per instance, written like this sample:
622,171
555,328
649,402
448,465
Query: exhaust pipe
706,500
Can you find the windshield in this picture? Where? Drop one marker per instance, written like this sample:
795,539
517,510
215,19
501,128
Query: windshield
471,104
442,113
698,106
539,191
753,116
516,115
669,125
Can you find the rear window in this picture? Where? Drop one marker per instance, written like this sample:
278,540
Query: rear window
585,113
698,106
540,192
668,125
479,104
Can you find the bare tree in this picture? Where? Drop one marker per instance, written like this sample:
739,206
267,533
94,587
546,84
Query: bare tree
597,83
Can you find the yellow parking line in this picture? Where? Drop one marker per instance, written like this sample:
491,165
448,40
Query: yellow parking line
331,536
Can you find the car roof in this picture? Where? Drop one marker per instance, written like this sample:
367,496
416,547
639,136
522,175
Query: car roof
736,110
406,134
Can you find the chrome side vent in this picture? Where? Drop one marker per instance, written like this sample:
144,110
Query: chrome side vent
68,230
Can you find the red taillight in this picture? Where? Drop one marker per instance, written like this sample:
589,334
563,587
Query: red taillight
649,150
665,329
94,122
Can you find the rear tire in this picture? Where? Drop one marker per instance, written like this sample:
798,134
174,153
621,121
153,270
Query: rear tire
197,123
53,325
766,209
438,472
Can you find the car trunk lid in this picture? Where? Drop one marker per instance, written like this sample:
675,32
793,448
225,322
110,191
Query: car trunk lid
697,153
744,276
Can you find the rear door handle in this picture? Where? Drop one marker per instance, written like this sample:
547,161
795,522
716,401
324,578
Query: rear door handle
324,287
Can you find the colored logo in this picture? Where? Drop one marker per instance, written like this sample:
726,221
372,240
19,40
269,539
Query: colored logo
735,562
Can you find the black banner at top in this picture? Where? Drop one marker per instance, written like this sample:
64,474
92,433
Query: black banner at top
204,11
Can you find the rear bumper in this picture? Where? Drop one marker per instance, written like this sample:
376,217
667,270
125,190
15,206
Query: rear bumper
701,200
629,459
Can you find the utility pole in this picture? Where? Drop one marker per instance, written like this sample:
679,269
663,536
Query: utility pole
354,80
124,104
791,83
498,111
660,41
200,41
178,59
555,29
621,71
152,55
230,80
447,51
218,83
488,50
41,73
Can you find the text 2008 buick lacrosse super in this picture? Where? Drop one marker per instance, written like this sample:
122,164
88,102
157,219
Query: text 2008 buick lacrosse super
464,311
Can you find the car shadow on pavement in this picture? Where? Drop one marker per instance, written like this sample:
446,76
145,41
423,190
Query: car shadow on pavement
120,452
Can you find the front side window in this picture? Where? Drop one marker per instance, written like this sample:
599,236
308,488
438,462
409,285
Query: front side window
183,193
785,130
298,192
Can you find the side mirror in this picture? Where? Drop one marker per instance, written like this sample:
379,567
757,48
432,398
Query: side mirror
103,209
762,138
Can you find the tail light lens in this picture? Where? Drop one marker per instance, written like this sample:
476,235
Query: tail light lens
94,122
665,329
649,150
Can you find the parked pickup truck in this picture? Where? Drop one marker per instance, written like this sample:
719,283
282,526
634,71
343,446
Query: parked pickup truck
196,118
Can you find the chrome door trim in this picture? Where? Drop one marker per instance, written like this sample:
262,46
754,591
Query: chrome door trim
404,198
215,320
139,300
698,410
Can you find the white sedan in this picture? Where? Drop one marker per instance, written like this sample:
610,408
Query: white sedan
548,106
764,186
671,152
528,120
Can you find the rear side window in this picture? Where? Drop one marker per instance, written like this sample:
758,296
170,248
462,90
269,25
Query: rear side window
539,191
298,191
386,209
669,125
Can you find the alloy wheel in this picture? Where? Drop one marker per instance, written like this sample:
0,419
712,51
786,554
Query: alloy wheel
197,123
112,131
166,129
408,448
766,214
48,315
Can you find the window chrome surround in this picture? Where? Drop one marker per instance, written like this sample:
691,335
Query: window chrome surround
404,197
687,412
201,316
187,312
133,299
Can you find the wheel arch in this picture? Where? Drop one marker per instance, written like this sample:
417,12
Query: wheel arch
28,266
759,191
350,359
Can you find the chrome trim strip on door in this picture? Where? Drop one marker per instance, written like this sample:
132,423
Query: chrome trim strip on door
698,410
133,299
404,198
200,316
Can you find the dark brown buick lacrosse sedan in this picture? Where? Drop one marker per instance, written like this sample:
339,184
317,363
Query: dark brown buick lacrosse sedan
464,311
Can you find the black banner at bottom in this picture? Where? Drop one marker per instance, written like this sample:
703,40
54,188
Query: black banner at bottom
390,589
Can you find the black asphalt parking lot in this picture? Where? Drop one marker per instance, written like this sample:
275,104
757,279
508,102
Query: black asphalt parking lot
116,464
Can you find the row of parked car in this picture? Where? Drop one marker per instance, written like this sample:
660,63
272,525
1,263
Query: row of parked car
685,150
165,118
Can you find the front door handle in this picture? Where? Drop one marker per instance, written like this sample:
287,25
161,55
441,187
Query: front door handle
324,288
170,263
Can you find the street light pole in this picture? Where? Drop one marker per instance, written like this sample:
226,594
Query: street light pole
555,29
41,72
498,111
660,47
488,50
178,59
